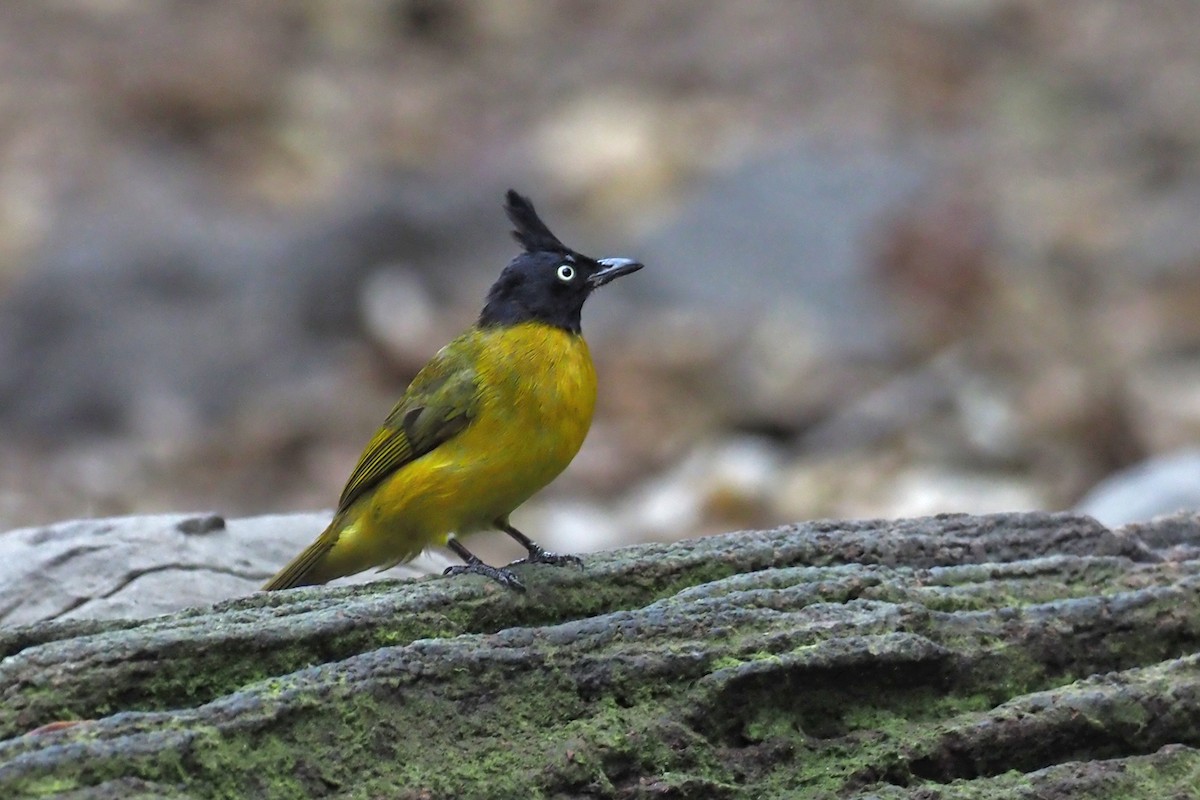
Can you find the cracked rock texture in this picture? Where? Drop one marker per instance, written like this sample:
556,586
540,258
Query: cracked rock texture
135,567
1006,656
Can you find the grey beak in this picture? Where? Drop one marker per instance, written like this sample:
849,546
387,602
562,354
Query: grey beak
611,269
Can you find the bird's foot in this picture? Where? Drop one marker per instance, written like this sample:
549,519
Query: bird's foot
506,577
537,555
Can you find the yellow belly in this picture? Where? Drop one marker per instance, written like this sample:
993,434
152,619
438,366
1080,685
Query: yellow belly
537,393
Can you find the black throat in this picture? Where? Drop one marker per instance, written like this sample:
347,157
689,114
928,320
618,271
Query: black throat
499,312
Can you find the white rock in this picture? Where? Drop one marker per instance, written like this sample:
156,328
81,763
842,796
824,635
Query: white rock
572,526
1154,487
675,504
926,490
133,567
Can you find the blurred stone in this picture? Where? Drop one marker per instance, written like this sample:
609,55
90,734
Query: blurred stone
718,485
792,227
778,254
197,71
667,505
400,315
923,490
817,487
861,484
136,567
934,54
1151,321
573,526
988,423
950,407
777,372
933,257
886,409
1164,241
166,307
613,149
1157,486
685,339
1165,403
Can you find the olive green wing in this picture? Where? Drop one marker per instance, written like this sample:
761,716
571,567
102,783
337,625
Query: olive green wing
440,402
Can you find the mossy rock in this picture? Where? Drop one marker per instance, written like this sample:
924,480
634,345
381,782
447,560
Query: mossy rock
1006,656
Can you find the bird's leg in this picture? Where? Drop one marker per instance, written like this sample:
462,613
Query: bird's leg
476,567
537,555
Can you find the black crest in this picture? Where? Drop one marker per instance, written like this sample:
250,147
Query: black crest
549,281
528,228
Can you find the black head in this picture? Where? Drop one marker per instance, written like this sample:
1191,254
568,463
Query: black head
549,282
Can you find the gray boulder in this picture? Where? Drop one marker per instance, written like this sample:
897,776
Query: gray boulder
1011,656
136,567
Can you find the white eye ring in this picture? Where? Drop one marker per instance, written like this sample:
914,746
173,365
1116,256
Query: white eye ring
566,273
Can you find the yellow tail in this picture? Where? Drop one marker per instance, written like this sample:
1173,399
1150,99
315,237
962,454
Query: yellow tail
303,569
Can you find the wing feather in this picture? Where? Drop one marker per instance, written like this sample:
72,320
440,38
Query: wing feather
440,402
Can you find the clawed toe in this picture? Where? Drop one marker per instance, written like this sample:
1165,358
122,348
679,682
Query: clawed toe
506,577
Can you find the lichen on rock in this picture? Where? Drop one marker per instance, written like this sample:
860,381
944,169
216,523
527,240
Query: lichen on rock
1020,655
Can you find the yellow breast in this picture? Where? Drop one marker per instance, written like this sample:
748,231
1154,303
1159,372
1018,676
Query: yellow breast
537,391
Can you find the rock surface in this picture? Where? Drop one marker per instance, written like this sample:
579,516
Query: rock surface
137,567
1006,656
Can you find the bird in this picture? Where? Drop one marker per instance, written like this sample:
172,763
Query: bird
493,418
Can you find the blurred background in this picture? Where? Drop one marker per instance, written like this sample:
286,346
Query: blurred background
903,257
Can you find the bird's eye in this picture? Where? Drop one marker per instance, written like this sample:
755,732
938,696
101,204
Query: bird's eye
566,273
